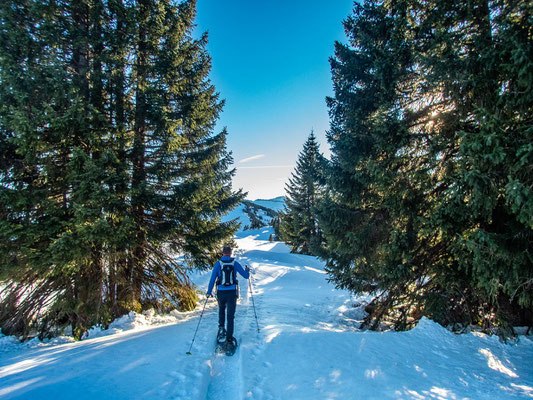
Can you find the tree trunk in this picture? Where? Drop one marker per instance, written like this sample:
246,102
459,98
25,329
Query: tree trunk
138,181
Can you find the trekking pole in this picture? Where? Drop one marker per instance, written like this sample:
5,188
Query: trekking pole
253,302
197,326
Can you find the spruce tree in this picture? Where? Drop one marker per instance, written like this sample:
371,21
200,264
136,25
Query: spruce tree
298,223
420,206
110,166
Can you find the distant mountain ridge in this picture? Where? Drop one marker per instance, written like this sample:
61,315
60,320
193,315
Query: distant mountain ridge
277,203
257,213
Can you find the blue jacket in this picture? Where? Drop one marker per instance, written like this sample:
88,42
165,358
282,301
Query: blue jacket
216,273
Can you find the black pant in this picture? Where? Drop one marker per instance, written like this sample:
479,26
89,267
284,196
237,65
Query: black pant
227,298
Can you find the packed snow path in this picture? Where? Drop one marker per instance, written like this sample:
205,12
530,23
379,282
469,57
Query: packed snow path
308,347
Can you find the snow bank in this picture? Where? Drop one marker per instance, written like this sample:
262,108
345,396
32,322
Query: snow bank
135,321
12,344
129,322
428,362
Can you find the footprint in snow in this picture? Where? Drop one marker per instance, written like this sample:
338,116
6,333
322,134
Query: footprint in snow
177,375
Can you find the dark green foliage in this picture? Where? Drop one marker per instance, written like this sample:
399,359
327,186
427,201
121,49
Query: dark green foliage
276,221
298,224
108,164
429,187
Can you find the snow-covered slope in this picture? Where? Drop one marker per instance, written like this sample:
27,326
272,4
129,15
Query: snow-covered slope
238,213
308,347
257,213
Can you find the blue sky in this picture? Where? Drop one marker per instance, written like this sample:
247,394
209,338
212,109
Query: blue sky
270,64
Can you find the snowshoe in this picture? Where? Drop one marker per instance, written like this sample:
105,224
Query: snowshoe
221,335
231,346
220,348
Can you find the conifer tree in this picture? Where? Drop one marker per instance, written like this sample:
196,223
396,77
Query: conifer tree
298,223
110,164
423,203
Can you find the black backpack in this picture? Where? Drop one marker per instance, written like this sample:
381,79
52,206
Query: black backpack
227,276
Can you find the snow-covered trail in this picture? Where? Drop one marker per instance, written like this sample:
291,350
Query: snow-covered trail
308,347
148,363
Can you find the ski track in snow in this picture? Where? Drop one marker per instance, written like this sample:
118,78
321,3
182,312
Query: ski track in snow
308,347
226,371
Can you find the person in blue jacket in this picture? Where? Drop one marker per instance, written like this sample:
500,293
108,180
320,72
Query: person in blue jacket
225,276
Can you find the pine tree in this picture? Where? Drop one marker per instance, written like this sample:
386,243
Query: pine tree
109,167
298,223
420,204
487,225
366,135
45,120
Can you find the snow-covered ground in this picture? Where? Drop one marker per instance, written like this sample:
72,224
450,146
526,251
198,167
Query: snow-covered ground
308,347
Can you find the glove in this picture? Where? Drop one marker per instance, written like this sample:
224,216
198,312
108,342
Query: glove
247,268
208,295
